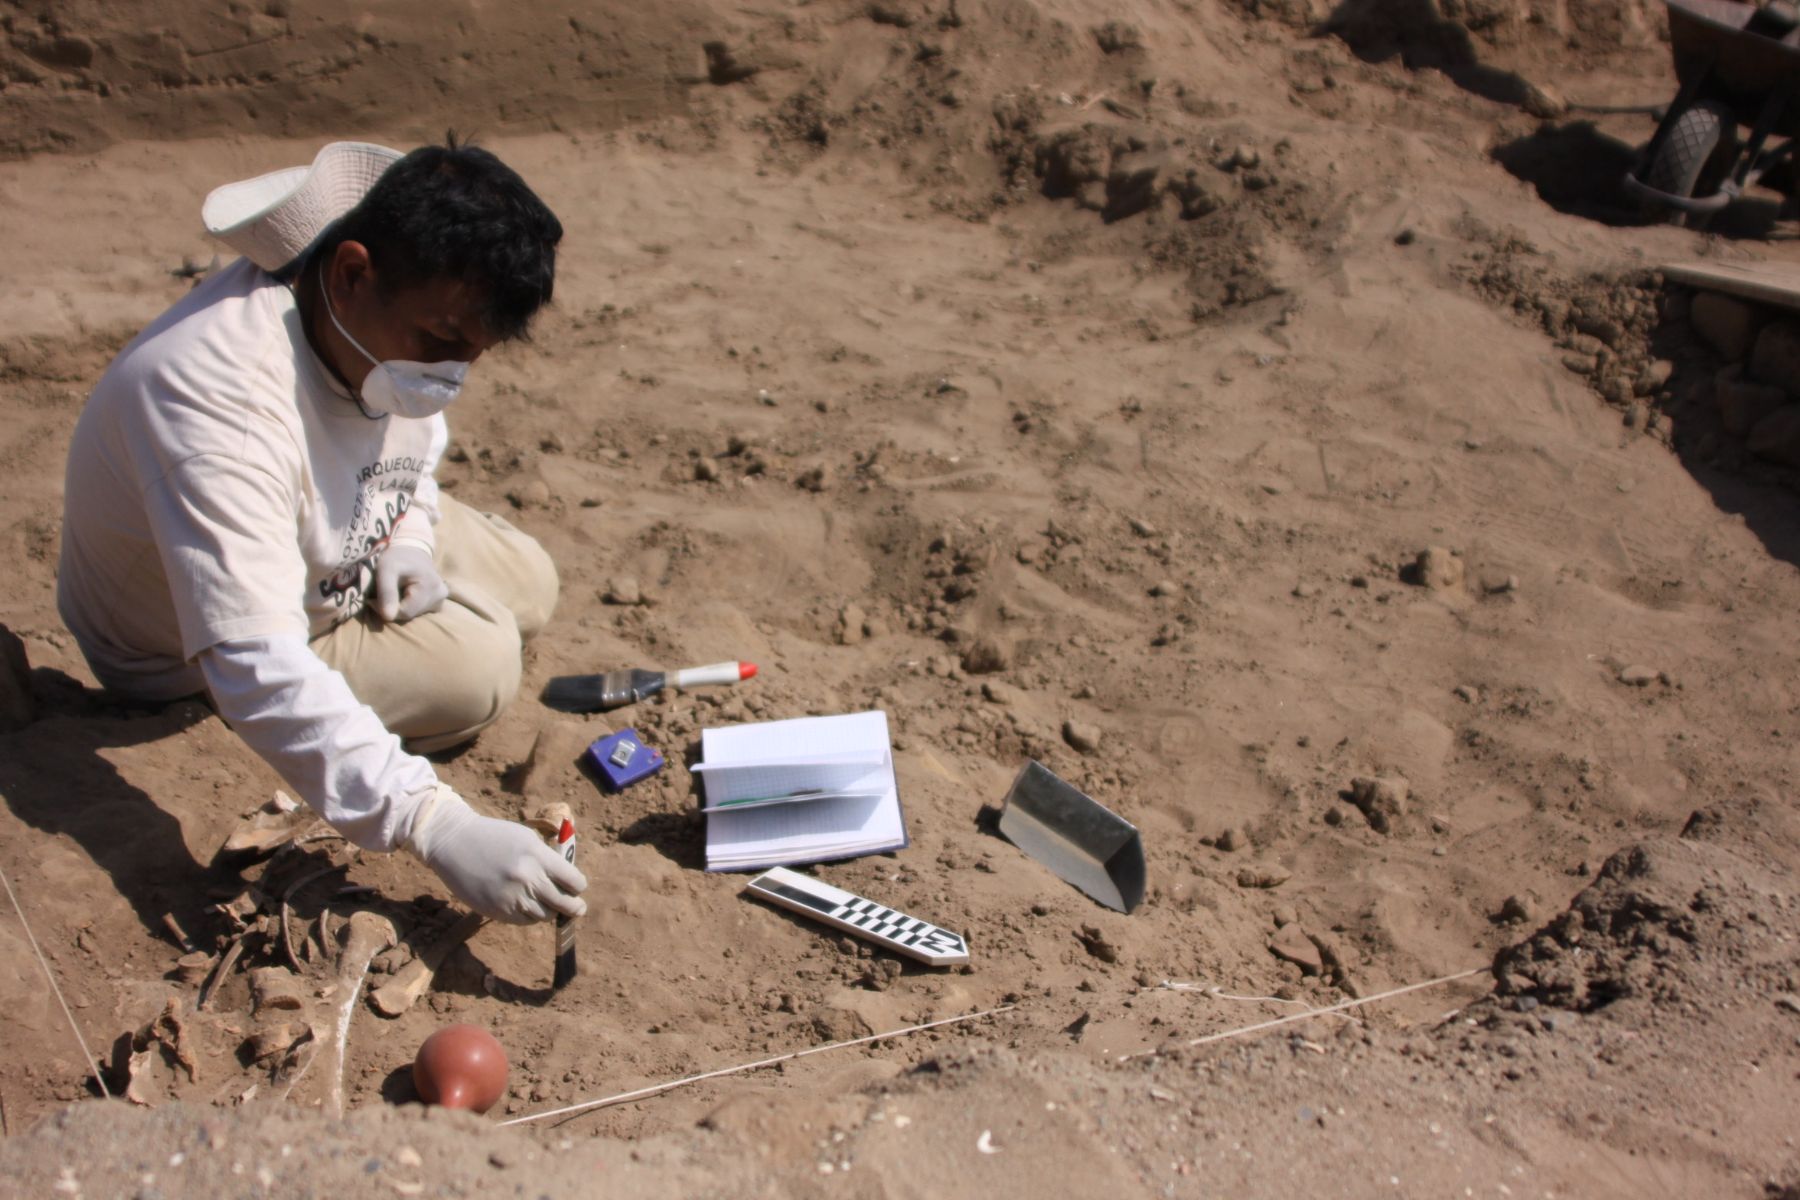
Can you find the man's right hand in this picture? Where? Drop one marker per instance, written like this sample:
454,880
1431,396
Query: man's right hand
500,869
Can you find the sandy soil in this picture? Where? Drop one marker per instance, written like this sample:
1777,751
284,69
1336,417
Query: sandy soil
1002,365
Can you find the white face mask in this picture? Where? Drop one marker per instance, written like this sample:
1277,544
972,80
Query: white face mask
399,387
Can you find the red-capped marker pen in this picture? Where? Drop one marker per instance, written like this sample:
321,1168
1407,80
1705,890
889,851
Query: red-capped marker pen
565,926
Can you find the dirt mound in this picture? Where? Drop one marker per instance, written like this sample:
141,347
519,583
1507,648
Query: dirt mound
82,74
1440,33
1660,915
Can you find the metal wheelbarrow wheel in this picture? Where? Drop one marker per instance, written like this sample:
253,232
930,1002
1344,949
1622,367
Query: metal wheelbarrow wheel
1705,133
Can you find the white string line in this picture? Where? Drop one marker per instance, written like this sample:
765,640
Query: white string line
1218,993
44,963
1318,1012
657,1089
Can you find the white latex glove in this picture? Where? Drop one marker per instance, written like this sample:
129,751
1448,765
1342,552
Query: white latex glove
407,583
500,869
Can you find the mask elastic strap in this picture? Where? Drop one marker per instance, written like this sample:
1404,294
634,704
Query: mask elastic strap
325,295
332,313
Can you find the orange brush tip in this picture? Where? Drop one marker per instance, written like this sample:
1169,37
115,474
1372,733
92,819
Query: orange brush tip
566,832
746,670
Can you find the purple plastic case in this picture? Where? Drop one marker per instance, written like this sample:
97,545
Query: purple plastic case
622,759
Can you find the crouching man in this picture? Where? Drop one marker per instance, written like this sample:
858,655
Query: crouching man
250,510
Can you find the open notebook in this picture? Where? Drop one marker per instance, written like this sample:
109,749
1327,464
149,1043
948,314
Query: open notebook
808,790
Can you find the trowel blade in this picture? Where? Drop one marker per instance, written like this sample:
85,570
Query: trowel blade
1084,842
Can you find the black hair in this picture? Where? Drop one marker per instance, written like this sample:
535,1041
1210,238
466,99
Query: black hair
457,212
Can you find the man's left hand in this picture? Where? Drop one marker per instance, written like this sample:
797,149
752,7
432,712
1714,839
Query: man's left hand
407,583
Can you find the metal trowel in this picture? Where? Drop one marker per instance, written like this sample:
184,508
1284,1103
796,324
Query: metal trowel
1084,842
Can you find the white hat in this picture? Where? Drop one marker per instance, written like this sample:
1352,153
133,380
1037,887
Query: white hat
272,219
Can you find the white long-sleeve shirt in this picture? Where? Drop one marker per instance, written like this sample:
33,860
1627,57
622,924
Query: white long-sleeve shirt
225,500
300,716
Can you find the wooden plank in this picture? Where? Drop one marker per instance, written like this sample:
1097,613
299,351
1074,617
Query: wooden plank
1764,282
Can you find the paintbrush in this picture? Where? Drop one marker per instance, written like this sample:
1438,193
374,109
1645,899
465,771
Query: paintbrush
565,926
615,689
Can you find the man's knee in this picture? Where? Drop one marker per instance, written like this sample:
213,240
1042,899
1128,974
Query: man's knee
538,588
471,688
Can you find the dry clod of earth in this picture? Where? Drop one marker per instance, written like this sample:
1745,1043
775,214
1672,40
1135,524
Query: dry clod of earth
1382,801
1082,736
1263,877
1438,569
1291,944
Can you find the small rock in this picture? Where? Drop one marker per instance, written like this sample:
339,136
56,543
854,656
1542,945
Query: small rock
814,479
1097,944
1500,586
1290,944
765,398
850,625
1081,736
1243,158
986,655
1727,324
624,590
1334,816
1164,587
1284,914
406,1156
1517,910
1382,801
1542,101
1003,694
1438,569
535,494
1142,528
1263,877
1230,840
705,469
1639,676
1305,591
1468,695
1654,377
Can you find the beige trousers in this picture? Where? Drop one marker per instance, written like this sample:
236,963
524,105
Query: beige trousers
440,679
